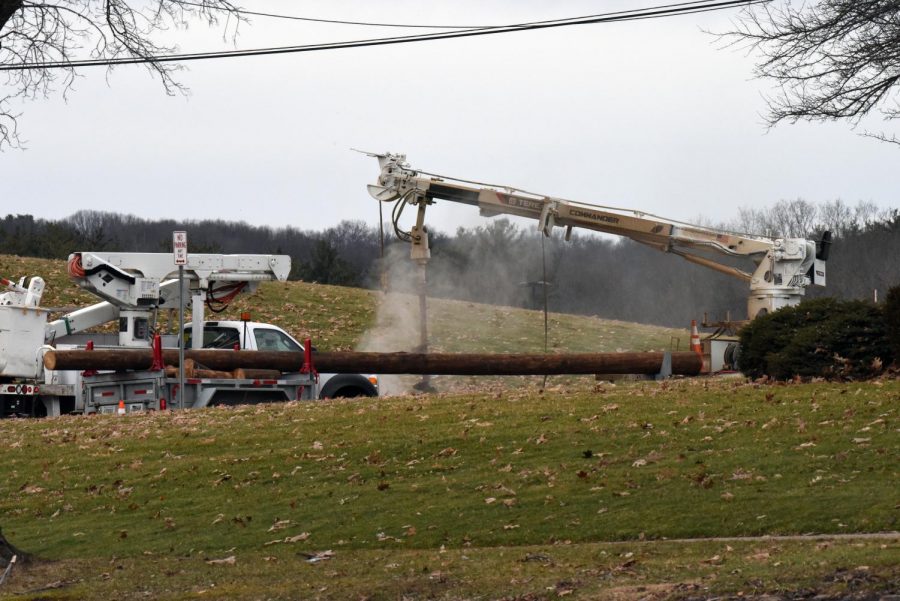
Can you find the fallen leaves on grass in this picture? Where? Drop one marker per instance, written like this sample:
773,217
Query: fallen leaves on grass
227,561
279,525
317,557
289,540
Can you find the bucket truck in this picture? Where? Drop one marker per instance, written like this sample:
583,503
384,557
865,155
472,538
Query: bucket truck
782,267
134,287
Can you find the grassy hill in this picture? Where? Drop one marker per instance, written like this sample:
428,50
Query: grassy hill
338,318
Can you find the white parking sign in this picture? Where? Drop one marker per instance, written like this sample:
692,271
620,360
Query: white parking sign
179,247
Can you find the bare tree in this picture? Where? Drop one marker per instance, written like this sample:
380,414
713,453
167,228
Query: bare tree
836,216
797,218
38,32
792,218
832,59
95,229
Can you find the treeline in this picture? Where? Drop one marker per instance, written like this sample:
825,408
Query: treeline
502,263
340,255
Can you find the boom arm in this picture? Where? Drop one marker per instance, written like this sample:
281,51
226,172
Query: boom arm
783,266
132,286
101,313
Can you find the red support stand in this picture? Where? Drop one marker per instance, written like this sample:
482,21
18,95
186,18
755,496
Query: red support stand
89,347
308,367
158,363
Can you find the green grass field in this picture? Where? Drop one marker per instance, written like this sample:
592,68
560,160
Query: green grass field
464,496
505,490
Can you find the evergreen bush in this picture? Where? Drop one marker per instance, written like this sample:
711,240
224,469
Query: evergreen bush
892,320
824,337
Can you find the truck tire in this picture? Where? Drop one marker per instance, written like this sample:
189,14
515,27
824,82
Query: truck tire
348,386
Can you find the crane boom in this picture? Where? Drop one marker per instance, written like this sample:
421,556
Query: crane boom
784,267
133,285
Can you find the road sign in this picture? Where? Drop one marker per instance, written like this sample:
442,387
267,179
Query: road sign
179,247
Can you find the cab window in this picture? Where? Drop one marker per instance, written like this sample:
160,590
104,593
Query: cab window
215,337
273,340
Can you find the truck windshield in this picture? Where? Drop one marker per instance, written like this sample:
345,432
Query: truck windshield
273,340
215,337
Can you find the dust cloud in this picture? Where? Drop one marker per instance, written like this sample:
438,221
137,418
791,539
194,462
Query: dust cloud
396,327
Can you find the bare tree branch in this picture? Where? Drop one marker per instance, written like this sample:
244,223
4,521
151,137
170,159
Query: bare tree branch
881,137
831,60
65,30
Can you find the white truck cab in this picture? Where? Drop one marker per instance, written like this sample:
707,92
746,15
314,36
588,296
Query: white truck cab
256,336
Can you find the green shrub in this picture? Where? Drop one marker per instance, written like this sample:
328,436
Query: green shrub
824,337
892,320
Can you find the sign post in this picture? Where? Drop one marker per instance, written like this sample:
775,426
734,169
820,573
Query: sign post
180,252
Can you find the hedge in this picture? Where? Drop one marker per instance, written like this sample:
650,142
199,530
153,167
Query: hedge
824,337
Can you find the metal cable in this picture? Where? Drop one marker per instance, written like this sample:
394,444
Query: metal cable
650,13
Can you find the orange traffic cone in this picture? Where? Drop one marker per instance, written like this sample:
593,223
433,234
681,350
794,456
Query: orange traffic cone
695,338
121,410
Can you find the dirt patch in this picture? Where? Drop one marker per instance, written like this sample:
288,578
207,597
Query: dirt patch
39,577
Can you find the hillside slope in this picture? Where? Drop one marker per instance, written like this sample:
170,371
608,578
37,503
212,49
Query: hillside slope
338,318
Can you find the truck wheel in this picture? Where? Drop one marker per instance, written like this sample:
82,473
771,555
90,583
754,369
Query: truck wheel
37,408
348,386
350,393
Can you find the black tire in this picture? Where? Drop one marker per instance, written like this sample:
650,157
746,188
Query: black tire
348,386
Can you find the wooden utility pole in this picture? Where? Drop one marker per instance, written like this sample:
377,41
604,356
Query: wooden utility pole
461,364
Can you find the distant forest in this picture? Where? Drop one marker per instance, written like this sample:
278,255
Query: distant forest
502,263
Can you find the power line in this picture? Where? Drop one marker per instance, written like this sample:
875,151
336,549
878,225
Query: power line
661,11
697,6
241,11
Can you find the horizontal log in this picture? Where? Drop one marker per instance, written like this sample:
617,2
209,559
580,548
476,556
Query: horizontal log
461,364
142,359
468,364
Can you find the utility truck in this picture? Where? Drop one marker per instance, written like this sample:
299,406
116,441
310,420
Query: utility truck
135,286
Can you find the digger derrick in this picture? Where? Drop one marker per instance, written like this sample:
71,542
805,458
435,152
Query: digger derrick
782,267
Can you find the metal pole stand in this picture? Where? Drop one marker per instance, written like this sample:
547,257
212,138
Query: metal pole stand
180,402
420,253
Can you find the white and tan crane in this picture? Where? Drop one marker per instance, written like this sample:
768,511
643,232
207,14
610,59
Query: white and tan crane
784,267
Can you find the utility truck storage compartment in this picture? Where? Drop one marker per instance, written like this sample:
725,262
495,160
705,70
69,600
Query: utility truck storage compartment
21,339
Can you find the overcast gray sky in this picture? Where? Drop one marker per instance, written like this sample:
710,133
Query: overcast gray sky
651,115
